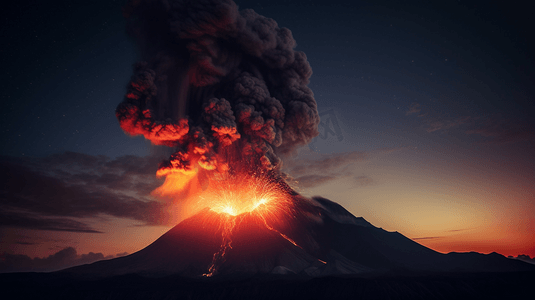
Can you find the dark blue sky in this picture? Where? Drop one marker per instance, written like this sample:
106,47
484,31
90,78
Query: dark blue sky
437,100
66,66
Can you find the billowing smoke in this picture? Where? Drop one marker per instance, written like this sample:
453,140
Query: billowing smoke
224,87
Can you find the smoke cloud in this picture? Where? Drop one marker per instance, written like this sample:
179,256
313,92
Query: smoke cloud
222,86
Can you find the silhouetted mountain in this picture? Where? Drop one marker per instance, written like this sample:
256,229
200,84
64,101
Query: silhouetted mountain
329,241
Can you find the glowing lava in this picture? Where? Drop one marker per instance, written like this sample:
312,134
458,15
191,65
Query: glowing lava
258,197
241,194
234,198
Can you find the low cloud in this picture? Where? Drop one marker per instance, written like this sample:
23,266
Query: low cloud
441,125
414,108
363,180
61,191
313,180
494,129
427,238
503,131
312,162
31,220
434,121
65,258
524,258
457,230
310,169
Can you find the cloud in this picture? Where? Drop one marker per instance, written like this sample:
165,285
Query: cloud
524,258
457,230
31,220
440,237
495,129
314,180
213,78
427,238
434,121
500,131
363,180
311,169
312,162
441,125
26,243
414,108
60,191
65,258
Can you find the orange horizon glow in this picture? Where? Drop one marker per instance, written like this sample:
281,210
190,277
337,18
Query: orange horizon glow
484,247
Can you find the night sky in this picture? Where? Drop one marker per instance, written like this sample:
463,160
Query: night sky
427,125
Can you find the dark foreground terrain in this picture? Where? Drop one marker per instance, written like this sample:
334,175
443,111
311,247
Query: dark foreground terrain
515,285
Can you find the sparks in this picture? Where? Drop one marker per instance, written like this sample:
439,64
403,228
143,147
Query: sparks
245,194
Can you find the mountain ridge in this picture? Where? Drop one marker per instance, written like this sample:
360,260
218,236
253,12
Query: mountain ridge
323,239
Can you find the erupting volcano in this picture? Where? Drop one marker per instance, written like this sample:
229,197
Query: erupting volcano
227,91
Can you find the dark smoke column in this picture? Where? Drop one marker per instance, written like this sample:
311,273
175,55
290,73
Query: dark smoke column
224,87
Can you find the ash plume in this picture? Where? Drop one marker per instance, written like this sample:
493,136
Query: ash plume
223,86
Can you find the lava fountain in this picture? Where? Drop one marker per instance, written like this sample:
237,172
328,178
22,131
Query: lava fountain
260,198
225,89
242,198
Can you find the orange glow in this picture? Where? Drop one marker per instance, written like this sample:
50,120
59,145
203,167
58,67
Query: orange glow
136,122
258,198
240,196
219,257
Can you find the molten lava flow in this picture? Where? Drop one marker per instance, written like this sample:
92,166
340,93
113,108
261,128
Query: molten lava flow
219,257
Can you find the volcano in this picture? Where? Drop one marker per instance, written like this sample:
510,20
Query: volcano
320,239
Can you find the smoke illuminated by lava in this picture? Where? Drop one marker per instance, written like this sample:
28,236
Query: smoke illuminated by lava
219,85
226,89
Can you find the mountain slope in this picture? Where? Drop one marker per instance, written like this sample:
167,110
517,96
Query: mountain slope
320,239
